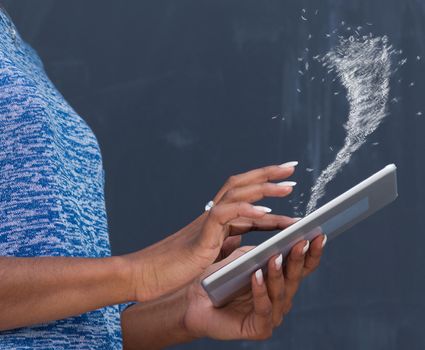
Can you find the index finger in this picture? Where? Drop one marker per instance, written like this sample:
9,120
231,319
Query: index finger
265,174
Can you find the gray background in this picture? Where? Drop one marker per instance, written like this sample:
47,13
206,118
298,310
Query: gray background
181,94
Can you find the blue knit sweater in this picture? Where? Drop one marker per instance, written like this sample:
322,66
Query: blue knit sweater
51,191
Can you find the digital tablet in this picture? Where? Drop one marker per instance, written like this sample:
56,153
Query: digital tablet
332,219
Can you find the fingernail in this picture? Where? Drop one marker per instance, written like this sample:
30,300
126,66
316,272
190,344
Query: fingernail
259,277
307,245
262,209
296,219
288,164
287,183
325,239
278,262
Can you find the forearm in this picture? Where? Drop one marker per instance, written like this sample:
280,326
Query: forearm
38,290
156,324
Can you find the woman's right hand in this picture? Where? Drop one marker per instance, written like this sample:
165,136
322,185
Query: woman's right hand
180,258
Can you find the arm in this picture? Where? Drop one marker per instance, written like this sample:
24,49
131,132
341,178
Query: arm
35,290
156,324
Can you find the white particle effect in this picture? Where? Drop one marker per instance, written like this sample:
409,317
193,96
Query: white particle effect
319,117
418,58
331,148
299,59
364,68
310,36
275,116
312,78
316,12
327,35
403,62
375,143
419,113
300,72
412,84
298,90
309,170
306,66
303,18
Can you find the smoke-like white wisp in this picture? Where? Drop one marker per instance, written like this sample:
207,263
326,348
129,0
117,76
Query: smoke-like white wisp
363,65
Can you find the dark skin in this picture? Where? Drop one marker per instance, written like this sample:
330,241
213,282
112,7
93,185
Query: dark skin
165,276
252,315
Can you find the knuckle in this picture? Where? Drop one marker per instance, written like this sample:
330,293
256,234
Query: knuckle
312,268
232,180
266,173
242,206
316,254
266,187
280,296
230,194
294,276
262,294
214,212
287,307
266,311
296,259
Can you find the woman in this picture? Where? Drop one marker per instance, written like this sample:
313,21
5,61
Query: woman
61,289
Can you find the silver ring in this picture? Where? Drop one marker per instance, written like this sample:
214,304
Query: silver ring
209,205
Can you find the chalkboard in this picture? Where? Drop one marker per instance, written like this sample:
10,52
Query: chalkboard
182,94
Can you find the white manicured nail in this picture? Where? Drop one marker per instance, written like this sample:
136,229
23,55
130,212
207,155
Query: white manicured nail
262,209
324,241
288,164
296,219
278,262
307,245
287,183
259,277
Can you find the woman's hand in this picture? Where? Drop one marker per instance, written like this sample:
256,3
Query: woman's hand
175,261
256,313
188,314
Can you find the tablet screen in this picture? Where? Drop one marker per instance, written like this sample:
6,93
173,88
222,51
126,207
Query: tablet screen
346,216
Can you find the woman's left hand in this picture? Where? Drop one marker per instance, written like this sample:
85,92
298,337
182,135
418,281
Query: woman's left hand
256,313
189,314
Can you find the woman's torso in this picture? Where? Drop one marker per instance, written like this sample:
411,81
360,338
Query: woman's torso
51,190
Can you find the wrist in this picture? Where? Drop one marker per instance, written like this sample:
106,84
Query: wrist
183,331
123,272
156,324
